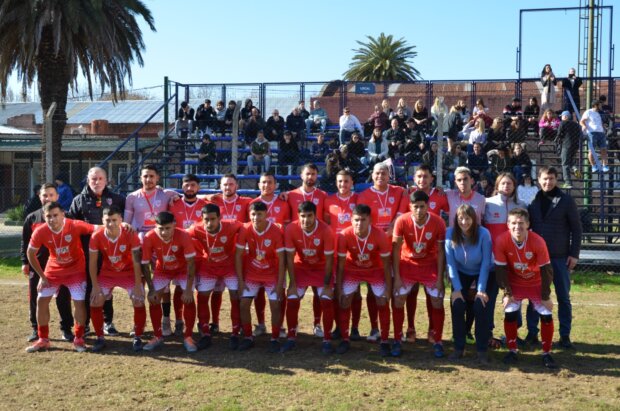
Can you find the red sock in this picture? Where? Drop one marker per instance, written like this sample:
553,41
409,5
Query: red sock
398,315
439,314
43,331
336,312
203,313
345,317
356,312
275,331
412,305
510,329
216,304
189,316
316,307
259,304
78,330
283,304
546,334
235,316
327,307
384,320
155,312
429,311
177,303
373,312
292,317
139,320
247,330
96,316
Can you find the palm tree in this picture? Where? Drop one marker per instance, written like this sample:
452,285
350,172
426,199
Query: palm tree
382,59
55,41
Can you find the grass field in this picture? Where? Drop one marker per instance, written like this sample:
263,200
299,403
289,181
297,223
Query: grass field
216,378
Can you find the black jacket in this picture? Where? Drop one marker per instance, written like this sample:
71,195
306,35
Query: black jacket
32,221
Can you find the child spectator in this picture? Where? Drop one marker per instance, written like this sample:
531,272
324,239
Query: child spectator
483,187
526,191
548,125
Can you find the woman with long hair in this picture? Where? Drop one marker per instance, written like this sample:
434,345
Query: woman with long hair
548,80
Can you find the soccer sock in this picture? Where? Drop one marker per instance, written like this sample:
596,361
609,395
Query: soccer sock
275,331
235,316
356,312
510,328
178,303
166,309
412,305
546,333
439,314
345,317
398,315
373,313
78,330
43,331
336,309
327,307
316,307
283,305
203,313
96,316
247,331
429,311
155,311
259,304
292,317
189,316
384,320
139,320
216,304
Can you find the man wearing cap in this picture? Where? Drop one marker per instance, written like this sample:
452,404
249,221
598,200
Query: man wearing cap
567,143
592,123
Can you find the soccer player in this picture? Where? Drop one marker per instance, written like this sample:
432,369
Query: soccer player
263,265
66,266
119,249
217,264
309,260
363,256
523,271
174,253
47,194
419,257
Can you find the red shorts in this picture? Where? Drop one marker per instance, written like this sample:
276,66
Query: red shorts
425,274
371,276
216,272
108,282
309,278
531,293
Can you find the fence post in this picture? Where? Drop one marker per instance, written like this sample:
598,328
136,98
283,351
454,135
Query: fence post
234,155
439,166
47,130
166,96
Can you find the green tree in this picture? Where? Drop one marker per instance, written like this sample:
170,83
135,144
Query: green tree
382,59
55,41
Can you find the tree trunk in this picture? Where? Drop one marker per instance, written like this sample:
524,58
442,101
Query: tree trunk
53,81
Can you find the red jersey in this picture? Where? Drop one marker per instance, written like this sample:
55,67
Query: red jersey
364,255
278,210
261,259
116,254
524,262
385,205
65,247
420,243
340,211
437,200
312,248
218,249
171,256
298,196
235,210
187,214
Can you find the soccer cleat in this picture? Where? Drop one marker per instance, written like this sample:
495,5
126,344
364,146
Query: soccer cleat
456,355
374,335
532,340
510,358
189,344
234,342
397,349
246,344
214,328
79,345
283,333
438,350
178,328
327,348
577,172
355,334
567,186
132,333
259,330
483,358
566,343
343,347
39,345
594,169
154,343
99,345
548,361
605,169
204,342
33,336
274,346
384,349
410,335
336,334
137,345
318,331
288,346
110,329
469,339
521,342
67,335
166,329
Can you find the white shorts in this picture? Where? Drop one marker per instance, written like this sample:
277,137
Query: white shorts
77,290
405,289
204,284
516,306
301,291
252,290
351,286
163,283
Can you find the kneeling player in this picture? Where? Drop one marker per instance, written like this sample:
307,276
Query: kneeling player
120,252
523,271
419,257
309,259
174,253
261,266
364,256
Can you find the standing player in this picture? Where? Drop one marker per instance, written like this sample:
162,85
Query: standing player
174,253
47,194
363,256
464,194
66,266
119,250
217,239
262,266
419,257
309,259
523,271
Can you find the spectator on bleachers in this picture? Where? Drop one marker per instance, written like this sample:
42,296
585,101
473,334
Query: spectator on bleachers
531,113
402,104
475,132
274,129
512,111
477,162
548,126
517,132
567,142
607,115
353,164
206,117
319,149
220,115
571,85
206,155
501,160
385,107
401,117
454,126
260,154
484,187
495,134
521,162
592,124
288,152
462,107
327,178
439,112
230,111
377,148
526,191
479,107
395,148
548,80
302,110
184,124
481,111
296,125
348,124
430,157
377,119
246,113
253,125
453,159
394,133
420,116
357,147
415,143
317,118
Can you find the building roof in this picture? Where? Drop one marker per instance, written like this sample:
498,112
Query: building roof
12,130
32,142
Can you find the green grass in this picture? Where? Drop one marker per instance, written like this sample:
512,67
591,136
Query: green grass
10,267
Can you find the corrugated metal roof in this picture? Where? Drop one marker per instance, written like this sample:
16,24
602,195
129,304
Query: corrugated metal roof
12,130
32,143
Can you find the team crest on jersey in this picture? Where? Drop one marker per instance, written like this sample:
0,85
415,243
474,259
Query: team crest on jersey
428,235
123,247
198,213
223,239
432,205
391,200
315,201
115,259
68,238
238,207
267,243
109,201
317,241
276,209
157,203
352,206
370,247
529,255
175,248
